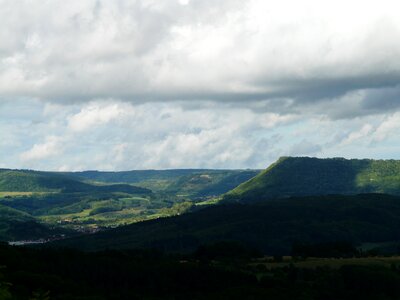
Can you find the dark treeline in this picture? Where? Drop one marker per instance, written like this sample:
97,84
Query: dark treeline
330,249
28,273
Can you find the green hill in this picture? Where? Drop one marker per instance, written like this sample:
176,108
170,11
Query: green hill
302,176
26,181
185,182
8,213
60,200
18,225
79,200
190,182
208,183
271,226
35,181
133,176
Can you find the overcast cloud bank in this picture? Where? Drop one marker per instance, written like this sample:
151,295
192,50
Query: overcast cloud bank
196,83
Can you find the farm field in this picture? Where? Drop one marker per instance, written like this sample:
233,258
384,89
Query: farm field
333,263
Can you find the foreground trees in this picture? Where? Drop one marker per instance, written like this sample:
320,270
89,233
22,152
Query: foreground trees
207,274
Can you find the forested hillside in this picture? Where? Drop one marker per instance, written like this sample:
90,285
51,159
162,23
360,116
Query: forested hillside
302,176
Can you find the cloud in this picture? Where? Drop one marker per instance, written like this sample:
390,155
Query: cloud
305,147
161,84
388,127
356,135
51,147
288,55
205,148
115,135
94,114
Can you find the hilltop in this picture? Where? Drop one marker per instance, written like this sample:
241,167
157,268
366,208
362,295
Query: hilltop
305,176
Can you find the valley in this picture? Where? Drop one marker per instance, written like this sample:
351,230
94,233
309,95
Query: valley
86,202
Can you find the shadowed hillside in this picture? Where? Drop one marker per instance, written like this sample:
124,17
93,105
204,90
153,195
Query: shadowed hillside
271,226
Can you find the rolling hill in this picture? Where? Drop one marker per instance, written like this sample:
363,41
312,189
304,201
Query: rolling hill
35,181
81,201
185,182
304,176
18,225
133,176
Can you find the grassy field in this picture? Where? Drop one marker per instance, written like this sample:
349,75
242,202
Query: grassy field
14,194
211,201
115,212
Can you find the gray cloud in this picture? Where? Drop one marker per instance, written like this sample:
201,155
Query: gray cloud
254,54
386,99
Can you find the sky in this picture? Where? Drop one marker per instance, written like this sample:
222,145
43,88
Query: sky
125,84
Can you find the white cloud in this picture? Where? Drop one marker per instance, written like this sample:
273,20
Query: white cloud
51,147
365,131
95,114
219,147
112,135
389,126
119,152
116,135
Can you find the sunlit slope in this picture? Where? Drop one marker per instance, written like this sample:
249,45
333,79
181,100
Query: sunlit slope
28,181
302,176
